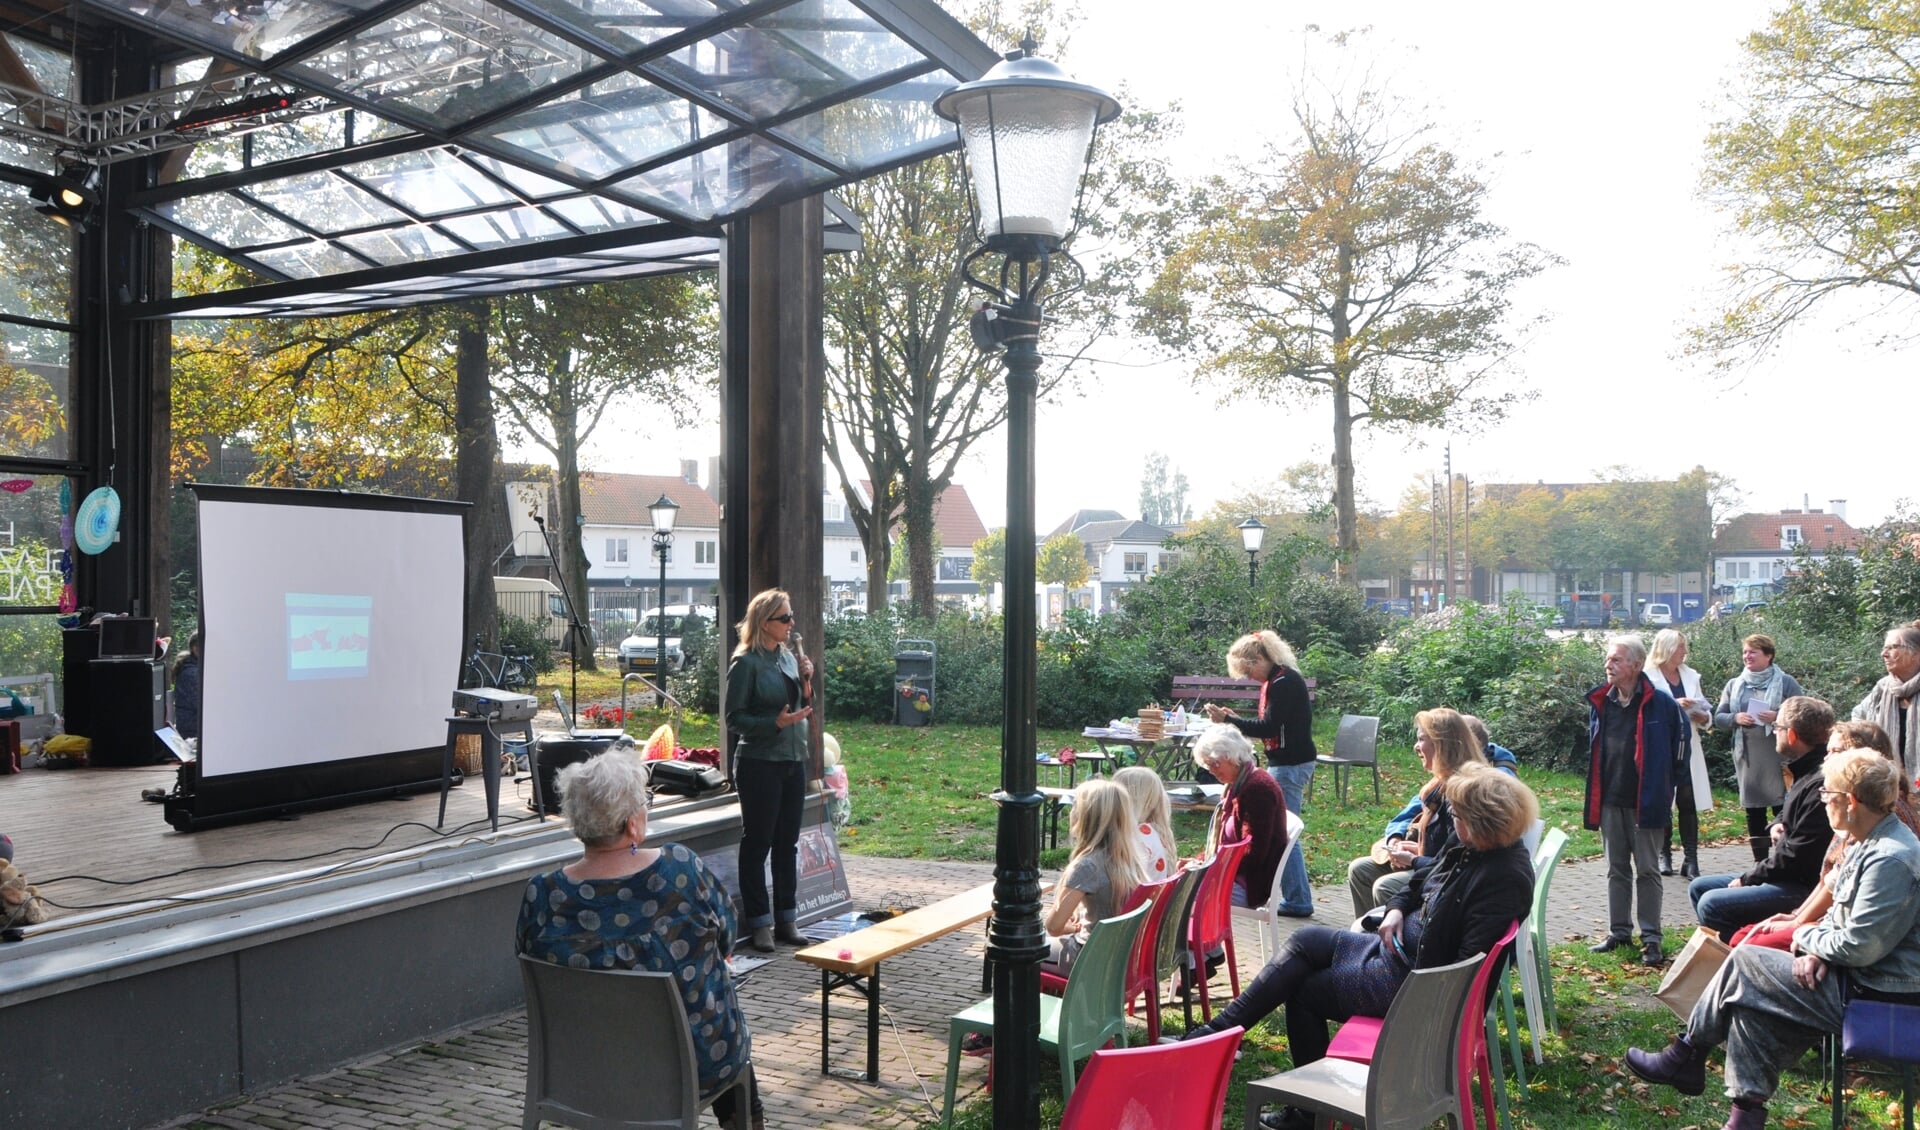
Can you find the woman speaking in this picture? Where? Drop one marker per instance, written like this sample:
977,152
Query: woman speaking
769,693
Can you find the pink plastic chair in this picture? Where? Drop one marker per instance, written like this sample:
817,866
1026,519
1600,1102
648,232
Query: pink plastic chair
1140,963
1356,1038
1212,922
1158,1087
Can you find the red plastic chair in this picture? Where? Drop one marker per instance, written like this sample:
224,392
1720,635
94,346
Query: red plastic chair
1140,963
1212,923
1356,1038
1158,1087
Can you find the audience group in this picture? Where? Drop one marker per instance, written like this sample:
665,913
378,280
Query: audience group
1828,911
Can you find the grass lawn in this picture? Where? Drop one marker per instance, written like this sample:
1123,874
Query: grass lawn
921,793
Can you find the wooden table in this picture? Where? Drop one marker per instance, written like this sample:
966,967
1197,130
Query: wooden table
853,960
1161,753
1178,799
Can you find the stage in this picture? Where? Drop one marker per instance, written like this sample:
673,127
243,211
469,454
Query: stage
309,948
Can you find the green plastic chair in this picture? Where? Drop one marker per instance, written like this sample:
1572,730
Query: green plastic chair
1080,1020
1552,844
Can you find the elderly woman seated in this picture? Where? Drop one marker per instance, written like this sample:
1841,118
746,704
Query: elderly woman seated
1251,808
1768,1006
622,905
1481,884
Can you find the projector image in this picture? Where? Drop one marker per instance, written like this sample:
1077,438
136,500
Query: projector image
494,705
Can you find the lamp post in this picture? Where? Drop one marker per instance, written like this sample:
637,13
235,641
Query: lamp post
1028,132
663,513
1252,536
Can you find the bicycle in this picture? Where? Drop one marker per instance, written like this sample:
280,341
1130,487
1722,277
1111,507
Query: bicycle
507,671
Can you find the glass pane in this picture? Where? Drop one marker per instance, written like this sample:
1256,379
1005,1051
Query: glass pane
401,245
529,184
36,260
882,126
432,182
308,260
592,214
628,24
52,70
35,392
800,54
230,221
450,60
256,29
325,203
609,126
491,229
727,178
30,548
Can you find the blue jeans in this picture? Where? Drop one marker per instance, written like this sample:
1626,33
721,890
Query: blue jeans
1296,893
1726,909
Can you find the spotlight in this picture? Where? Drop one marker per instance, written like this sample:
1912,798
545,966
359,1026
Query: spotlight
68,198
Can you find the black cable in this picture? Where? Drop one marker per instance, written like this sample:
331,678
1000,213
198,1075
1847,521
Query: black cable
457,830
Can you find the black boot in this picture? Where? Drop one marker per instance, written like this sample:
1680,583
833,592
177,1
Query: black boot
1690,864
1679,1065
1666,860
1690,842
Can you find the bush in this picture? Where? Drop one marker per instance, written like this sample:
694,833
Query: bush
1539,711
697,686
1088,673
522,637
1453,658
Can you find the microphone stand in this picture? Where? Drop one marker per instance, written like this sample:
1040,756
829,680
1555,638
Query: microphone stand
576,630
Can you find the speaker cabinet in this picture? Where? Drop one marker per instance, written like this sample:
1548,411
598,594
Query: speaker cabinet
78,648
129,704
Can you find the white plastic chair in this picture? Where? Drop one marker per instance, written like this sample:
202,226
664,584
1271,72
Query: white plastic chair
1268,916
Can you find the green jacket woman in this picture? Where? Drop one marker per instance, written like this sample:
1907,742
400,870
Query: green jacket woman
769,690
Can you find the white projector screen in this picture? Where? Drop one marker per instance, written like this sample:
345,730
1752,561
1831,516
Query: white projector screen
333,628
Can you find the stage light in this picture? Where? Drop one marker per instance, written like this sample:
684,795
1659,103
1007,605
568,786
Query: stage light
69,198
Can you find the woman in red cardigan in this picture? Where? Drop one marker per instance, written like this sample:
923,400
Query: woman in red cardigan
1252,807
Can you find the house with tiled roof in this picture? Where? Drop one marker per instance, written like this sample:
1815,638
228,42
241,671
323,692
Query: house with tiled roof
958,525
1121,553
1753,551
623,574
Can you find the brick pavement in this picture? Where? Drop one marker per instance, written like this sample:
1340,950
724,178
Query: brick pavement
472,1078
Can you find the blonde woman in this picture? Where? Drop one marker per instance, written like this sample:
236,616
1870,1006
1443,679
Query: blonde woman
1284,726
1692,793
769,691
1446,744
1102,871
1152,819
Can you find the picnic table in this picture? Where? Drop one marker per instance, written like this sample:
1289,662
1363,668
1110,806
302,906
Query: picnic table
852,960
1163,754
1180,798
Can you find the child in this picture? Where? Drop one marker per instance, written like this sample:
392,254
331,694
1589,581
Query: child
1153,820
1102,871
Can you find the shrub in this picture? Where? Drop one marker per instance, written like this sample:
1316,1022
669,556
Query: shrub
698,684
522,637
1087,673
1452,658
1539,711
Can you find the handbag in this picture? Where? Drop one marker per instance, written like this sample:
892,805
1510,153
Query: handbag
1687,977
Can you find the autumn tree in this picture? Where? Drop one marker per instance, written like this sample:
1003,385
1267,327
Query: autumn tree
1353,265
990,560
1062,561
562,358
1163,493
1817,169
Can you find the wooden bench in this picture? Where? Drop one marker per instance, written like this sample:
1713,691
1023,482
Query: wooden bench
852,960
1192,690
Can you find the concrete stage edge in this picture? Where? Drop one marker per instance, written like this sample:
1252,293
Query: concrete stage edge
136,1020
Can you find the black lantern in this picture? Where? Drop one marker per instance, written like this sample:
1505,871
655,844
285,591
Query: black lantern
663,513
1028,132
1252,536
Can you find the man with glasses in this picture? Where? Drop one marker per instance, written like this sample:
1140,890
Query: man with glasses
1780,882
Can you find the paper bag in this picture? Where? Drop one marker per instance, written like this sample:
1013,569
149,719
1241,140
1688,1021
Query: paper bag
1687,977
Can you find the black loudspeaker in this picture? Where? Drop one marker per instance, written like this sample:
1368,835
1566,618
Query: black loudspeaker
78,647
686,778
129,704
554,752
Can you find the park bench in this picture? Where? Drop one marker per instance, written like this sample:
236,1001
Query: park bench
1192,690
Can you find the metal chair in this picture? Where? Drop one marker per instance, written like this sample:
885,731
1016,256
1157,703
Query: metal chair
1159,1087
1077,1022
1876,1030
1267,916
1357,743
581,1020
1412,1080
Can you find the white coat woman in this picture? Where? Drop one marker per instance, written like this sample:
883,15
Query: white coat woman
1692,794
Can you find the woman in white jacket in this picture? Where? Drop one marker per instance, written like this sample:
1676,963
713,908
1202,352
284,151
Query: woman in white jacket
1692,795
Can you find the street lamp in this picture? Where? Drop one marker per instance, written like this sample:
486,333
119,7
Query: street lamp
1028,131
663,513
1252,536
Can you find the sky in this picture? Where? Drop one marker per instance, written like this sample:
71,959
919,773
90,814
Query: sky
1588,123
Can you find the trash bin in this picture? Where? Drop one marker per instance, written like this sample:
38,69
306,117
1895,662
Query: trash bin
913,683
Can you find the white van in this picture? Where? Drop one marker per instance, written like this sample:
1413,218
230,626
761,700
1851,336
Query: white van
636,651
534,599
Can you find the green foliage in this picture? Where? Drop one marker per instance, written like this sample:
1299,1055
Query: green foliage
29,645
899,567
1163,495
1062,561
1088,672
990,559
1453,658
1540,710
523,637
698,684
858,663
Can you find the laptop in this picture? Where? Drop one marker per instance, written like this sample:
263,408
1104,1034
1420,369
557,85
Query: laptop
127,637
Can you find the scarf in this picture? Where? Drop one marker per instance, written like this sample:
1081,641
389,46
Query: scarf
1766,684
1893,693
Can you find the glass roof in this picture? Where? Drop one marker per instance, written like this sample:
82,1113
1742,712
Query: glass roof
462,135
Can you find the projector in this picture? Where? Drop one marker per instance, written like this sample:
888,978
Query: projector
494,705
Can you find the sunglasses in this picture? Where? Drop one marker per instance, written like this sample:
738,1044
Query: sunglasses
784,618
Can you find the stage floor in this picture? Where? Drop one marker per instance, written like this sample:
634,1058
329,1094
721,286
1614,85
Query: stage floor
88,841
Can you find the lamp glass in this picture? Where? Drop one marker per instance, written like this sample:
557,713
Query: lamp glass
1252,535
663,513
1027,150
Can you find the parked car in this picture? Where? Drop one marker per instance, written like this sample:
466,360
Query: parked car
1657,615
1754,606
637,650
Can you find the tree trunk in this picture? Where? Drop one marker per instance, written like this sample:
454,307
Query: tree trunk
565,417
1346,533
477,473
879,561
918,523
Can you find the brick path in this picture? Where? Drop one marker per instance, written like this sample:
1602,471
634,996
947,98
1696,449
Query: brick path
473,1078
